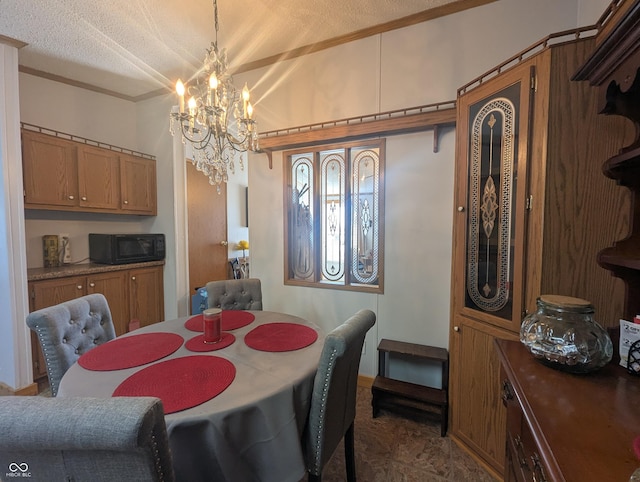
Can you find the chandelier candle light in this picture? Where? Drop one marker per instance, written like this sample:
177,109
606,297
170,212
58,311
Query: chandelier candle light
218,120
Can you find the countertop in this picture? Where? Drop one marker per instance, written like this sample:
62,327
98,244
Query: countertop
37,274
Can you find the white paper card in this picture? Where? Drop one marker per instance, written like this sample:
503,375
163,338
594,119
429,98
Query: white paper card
629,333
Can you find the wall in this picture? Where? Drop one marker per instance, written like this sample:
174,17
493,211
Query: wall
413,66
417,65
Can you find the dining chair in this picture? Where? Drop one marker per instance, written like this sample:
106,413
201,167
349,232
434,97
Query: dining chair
235,294
333,402
80,439
70,329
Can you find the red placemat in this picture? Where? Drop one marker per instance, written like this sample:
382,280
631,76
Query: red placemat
280,337
130,351
180,383
197,343
231,320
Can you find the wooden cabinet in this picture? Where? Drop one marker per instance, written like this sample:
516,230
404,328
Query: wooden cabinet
98,178
613,68
62,174
566,427
50,171
146,300
531,211
138,182
133,293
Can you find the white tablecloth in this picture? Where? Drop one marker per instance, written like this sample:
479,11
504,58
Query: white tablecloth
251,431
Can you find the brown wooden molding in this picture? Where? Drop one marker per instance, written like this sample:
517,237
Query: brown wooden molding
29,390
415,119
407,21
12,42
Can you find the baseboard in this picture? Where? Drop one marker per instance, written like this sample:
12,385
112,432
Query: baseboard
491,470
365,381
29,390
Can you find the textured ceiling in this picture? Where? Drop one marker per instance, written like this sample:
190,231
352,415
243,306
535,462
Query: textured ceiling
134,47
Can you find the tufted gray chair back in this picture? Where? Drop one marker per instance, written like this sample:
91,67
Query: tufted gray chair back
235,294
68,330
84,439
333,403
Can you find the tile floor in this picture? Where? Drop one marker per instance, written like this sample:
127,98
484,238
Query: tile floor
392,448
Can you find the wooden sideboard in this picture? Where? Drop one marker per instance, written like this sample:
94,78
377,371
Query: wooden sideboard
566,427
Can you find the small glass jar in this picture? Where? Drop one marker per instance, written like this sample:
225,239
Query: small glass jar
563,334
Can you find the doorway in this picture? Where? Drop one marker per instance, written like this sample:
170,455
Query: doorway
207,230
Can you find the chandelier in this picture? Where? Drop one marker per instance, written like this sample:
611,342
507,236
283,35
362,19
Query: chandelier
217,120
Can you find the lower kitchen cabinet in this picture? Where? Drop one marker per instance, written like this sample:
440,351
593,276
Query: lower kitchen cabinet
134,292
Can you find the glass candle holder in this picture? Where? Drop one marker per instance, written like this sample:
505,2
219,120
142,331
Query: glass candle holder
212,321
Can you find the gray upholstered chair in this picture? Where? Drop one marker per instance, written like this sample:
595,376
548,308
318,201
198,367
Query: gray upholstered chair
68,330
84,439
235,294
333,403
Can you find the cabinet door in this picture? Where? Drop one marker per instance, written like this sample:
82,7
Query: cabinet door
50,170
476,390
113,286
48,293
98,178
138,184
491,184
146,295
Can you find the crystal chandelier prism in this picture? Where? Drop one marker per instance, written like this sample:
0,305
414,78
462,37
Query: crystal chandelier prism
217,120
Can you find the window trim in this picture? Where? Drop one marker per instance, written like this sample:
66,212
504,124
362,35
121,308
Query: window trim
380,144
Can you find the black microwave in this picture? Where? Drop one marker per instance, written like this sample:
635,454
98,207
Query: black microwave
126,248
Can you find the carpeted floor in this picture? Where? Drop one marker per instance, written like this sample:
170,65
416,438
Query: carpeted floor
392,448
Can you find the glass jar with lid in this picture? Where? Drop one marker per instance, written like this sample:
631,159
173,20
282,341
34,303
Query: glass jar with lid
563,334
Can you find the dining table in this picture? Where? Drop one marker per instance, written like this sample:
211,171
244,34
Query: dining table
235,410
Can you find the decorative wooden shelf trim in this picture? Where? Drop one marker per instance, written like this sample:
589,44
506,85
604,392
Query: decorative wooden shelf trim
82,140
402,121
550,40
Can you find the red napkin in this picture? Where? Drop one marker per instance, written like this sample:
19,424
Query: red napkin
231,320
280,337
130,351
197,343
180,383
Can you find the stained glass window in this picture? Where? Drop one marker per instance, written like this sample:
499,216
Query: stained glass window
334,214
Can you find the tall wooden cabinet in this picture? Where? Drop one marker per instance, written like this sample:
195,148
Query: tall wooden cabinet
531,211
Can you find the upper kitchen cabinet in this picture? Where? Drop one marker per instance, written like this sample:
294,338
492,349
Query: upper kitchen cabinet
68,175
138,184
532,210
50,171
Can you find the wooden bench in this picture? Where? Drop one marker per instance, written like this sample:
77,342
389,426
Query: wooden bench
394,394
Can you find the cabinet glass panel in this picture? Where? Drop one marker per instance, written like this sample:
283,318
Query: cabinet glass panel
493,141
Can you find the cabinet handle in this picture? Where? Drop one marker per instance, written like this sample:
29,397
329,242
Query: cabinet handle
456,328
71,197
79,287
460,209
522,459
133,278
84,198
125,202
507,392
538,472
224,243
92,284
